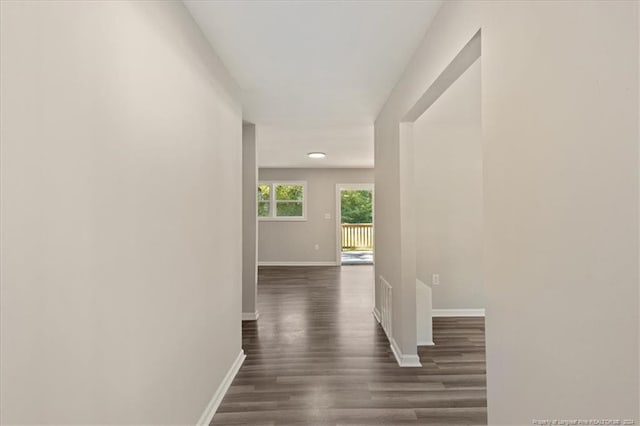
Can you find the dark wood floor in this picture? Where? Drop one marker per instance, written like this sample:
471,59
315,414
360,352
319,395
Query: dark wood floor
317,357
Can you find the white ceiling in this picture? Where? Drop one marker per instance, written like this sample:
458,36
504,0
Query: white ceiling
314,74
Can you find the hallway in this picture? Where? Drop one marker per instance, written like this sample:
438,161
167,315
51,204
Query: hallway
317,356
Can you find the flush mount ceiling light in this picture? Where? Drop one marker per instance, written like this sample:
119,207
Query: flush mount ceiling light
316,155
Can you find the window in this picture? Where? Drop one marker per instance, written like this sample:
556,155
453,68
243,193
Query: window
281,200
264,200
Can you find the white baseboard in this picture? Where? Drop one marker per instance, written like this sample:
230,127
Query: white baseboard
402,359
310,263
213,405
250,316
457,312
376,314
426,343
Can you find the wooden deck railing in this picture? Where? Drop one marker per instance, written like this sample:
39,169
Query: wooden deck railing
357,236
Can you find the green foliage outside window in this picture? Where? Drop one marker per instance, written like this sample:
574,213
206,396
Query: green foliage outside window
263,208
356,206
264,192
289,209
289,192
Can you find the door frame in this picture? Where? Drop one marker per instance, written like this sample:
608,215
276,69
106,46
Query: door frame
353,186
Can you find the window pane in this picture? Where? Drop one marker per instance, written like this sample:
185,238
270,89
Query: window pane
263,192
289,209
263,208
289,192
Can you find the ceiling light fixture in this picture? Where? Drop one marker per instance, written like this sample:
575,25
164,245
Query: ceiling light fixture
316,155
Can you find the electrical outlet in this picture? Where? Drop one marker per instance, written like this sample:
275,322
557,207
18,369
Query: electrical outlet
317,247
327,215
435,279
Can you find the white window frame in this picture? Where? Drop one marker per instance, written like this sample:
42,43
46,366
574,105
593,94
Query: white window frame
272,200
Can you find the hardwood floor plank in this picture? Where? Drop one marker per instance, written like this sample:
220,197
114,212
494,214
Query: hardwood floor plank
317,357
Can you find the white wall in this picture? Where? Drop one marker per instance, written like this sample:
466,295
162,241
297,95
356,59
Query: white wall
294,241
447,142
249,221
560,148
121,270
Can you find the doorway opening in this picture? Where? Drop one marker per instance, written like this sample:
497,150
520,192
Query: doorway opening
441,183
355,224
